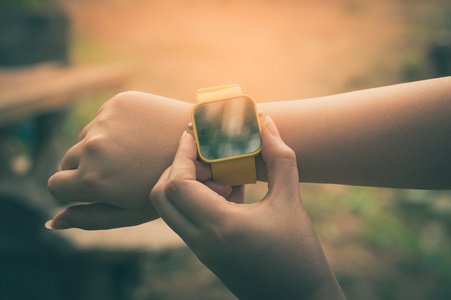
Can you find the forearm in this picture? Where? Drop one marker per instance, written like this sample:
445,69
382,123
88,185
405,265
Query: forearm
397,136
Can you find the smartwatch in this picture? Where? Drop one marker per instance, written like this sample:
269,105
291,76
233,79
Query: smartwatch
227,131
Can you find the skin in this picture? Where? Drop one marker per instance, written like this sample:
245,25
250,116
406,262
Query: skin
246,245
396,136
118,160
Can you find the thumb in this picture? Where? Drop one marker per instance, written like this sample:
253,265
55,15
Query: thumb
280,160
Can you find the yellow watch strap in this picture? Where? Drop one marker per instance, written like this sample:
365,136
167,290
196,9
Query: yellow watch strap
237,171
219,92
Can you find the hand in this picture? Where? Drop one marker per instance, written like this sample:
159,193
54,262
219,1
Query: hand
263,250
120,156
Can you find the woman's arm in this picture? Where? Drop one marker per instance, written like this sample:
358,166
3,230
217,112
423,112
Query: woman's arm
397,136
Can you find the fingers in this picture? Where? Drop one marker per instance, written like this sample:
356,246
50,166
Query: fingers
183,189
85,130
173,217
67,186
220,188
99,216
198,202
184,166
236,195
280,161
71,159
203,172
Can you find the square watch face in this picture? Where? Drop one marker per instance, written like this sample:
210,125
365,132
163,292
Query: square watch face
227,128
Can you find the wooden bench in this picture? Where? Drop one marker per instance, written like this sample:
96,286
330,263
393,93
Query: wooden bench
27,92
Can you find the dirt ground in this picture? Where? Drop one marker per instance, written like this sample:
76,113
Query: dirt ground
276,50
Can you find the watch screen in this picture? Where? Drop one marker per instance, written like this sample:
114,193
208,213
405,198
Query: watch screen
227,128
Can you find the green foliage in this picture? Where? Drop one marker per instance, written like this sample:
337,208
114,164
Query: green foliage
406,222
405,233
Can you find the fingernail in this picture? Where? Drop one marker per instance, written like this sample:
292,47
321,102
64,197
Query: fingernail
229,191
182,137
269,123
58,224
48,224
223,190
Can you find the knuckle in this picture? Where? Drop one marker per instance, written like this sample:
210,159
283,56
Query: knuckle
95,144
287,153
84,132
174,187
93,180
122,99
283,153
117,100
120,103
69,160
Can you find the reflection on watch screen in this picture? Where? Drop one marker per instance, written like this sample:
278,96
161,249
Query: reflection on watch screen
227,128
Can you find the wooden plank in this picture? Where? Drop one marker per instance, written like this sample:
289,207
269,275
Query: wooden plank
29,91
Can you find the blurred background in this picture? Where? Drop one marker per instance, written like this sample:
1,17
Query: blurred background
381,243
